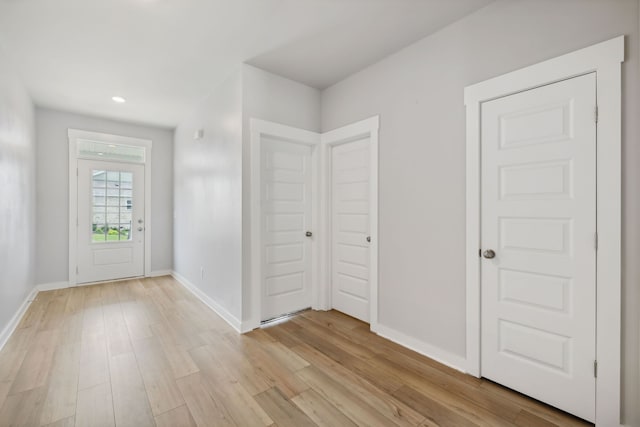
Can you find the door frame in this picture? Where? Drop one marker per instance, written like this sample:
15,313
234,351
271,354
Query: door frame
260,129
605,60
367,128
74,136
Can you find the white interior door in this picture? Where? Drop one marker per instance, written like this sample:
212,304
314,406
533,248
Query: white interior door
110,221
539,218
286,220
350,221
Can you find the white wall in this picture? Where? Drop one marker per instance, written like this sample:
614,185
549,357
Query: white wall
208,197
418,93
53,189
269,97
17,195
212,176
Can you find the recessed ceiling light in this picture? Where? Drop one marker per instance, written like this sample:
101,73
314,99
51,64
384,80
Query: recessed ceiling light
100,154
119,99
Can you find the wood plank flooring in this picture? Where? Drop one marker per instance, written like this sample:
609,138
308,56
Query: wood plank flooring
147,352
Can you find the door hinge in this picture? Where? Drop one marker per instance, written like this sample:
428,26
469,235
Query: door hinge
596,114
596,240
595,369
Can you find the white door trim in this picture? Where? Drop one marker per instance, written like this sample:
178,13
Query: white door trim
605,59
368,127
260,128
74,135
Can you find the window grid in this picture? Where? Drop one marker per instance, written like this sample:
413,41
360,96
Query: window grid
112,193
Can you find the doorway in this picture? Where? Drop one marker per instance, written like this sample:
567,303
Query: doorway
285,211
313,220
542,250
351,168
109,207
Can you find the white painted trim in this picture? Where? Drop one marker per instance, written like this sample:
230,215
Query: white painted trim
74,135
17,317
605,59
148,247
73,208
367,127
283,131
234,322
439,355
108,138
159,273
260,128
43,287
563,67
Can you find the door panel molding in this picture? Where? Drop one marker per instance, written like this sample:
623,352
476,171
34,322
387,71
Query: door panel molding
75,136
605,60
287,203
544,252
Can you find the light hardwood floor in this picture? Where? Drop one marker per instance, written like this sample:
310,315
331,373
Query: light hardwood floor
147,352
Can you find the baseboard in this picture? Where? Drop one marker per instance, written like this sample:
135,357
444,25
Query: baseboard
15,320
209,302
432,352
52,286
63,285
159,273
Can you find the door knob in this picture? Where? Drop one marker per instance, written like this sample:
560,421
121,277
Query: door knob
140,228
489,254
369,239
308,234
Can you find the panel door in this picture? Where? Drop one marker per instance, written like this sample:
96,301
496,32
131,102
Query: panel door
539,217
350,228
286,216
110,221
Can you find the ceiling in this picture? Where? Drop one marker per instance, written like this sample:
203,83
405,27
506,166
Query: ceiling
164,56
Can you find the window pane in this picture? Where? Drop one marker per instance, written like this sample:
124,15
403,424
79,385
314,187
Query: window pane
125,204
110,151
113,177
125,218
125,234
98,178
126,179
113,201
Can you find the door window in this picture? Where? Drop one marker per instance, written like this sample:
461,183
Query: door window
112,203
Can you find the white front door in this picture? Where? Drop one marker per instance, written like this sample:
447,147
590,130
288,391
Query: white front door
286,220
539,218
350,228
110,221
